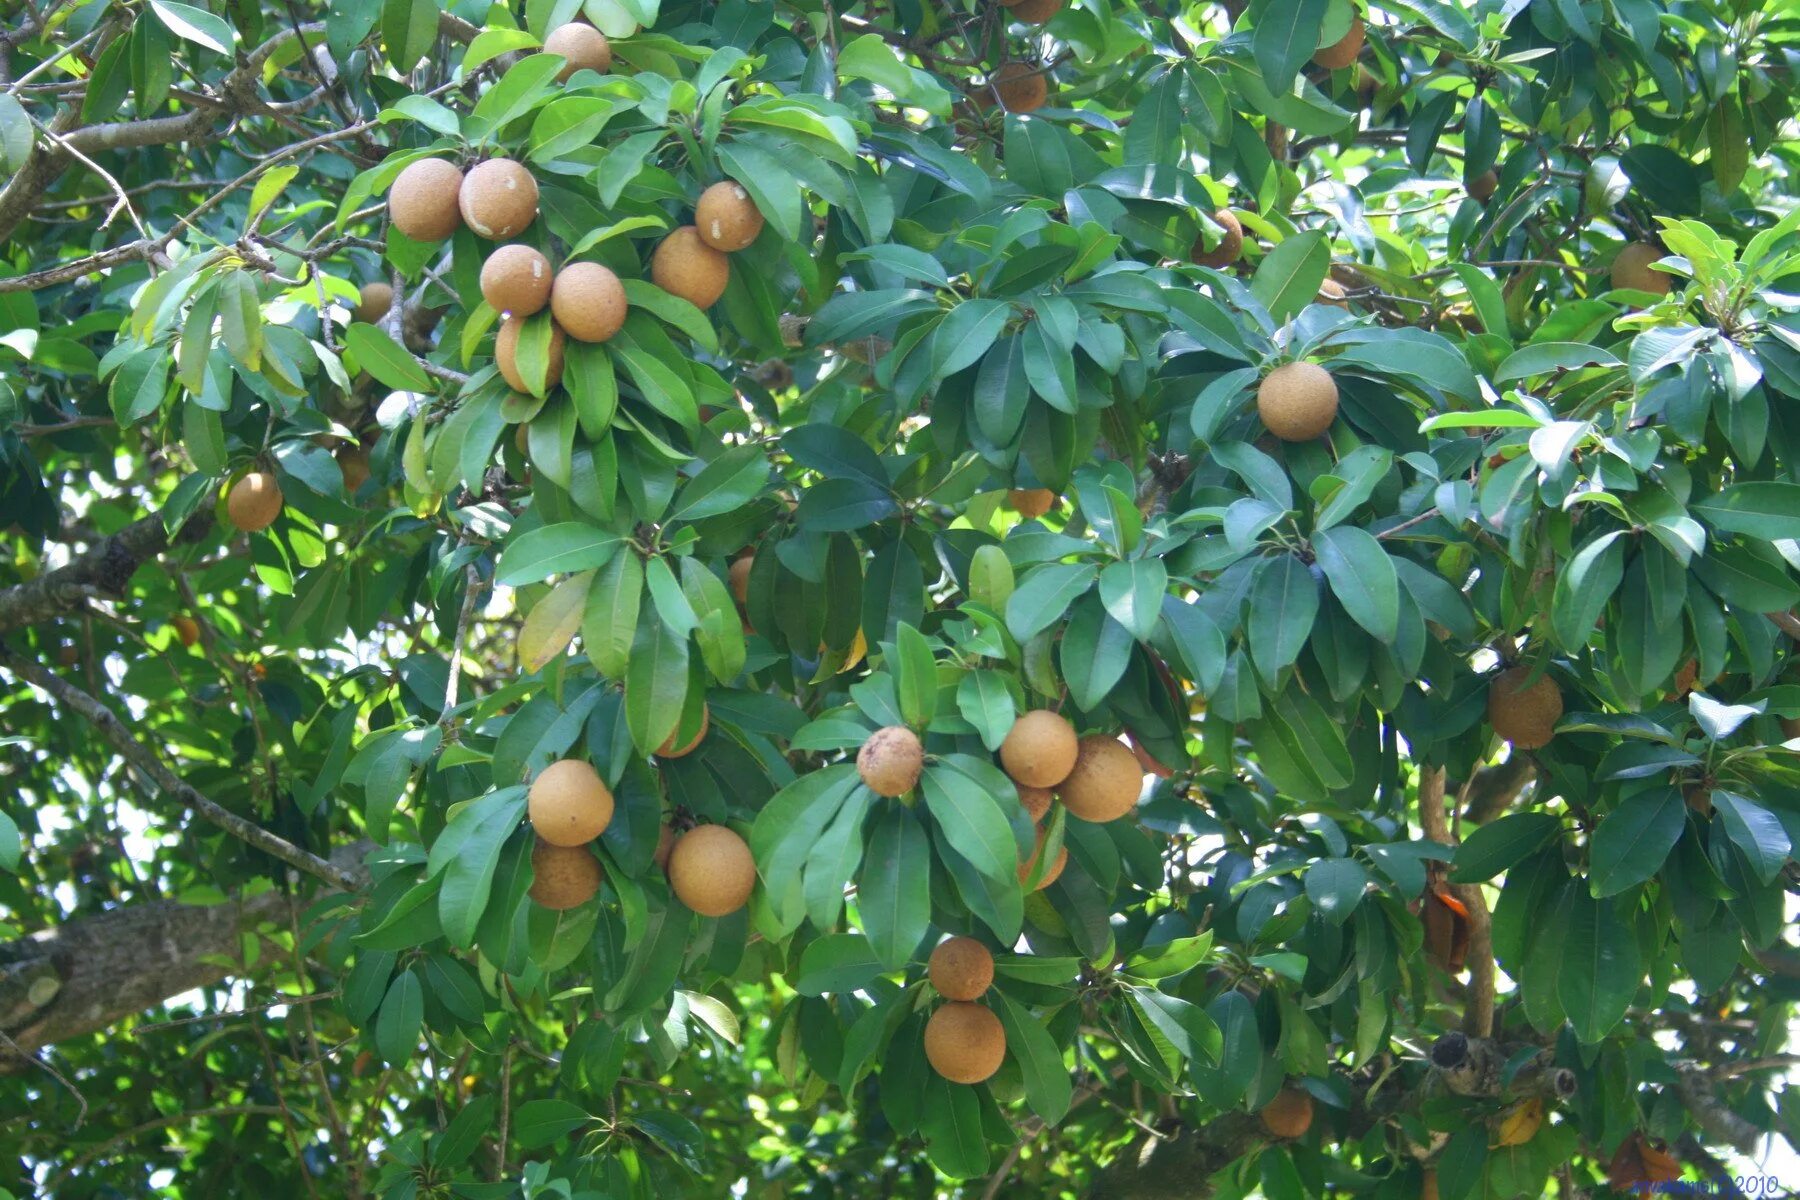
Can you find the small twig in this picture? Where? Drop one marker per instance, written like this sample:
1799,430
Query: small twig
55,1074
159,1026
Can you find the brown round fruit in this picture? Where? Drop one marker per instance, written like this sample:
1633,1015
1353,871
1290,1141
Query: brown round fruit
515,280
711,870
373,302
1105,783
1056,866
187,630
725,218
1229,246
1524,714
1021,87
1332,292
499,198
1344,51
1031,503
1035,801
890,761
964,1043
422,204
506,348
569,804
1631,268
1039,750
685,266
961,968
669,748
738,578
581,46
588,301
353,465
1483,186
563,877
1289,1114
1297,401
254,501
1035,12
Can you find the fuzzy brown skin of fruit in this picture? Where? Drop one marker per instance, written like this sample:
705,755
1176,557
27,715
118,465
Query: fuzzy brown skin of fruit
1289,1114
964,1043
506,349
569,804
588,302
1021,87
581,46
1483,186
1039,750
961,968
1524,715
1297,401
1035,12
423,203
1056,866
515,280
353,465
1631,269
563,877
1031,503
1344,51
726,219
738,578
499,198
187,630
711,870
373,302
254,502
670,750
1227,249
685,266
1035,801
1105,783
1332,292
890,761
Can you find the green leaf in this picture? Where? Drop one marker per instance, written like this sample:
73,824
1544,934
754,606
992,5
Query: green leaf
525,83
1584,587
1284,603
1286,34
1631,844
1767,510
542,1121
1336,886
1047,1086
610,621
1289,276
1187,1026
1759,834
408,27
895,889
1362,577
951,1123
385,359
723,485
482,829
1500,845
1133,594
656,682
196,25
1044,596
836,962
11,845
16,134
559,549
402,1015
1600,965
965,334
972,820
915,676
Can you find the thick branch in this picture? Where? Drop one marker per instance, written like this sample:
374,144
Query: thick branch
134,752
105,568
1477,1067
1478,1013
1717,1121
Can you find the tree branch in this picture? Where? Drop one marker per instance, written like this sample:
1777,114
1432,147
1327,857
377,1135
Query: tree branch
106,568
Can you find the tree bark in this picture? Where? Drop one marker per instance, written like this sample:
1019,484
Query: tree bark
104,569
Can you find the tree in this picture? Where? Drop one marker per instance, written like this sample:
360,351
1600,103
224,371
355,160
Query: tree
1274,524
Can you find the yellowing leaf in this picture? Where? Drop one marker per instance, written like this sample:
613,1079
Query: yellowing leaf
551,624
1521,1124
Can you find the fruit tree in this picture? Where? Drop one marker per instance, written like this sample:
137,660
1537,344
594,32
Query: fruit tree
978,598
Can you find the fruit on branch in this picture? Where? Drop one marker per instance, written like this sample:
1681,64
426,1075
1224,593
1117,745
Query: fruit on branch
738,578
685,266
506,350
1289,1114
499,198
673,749
1229,246
1297,401
1033,12
187,630
1483,186
353,465
563,876
1105,782
588,302
373,302
1345,50
254,501
961,968
1040,749
965,1043
515,280
725,218
1056,864
1031,503
568,803
1524,713
1631,268
1020,87
890,761
712,871
581,46
423,203
1035,801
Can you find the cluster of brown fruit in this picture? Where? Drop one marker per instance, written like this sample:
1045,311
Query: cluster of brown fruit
964,1040
1097,778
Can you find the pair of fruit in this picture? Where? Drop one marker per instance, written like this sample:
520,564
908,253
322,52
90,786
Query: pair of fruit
964,1040
692,262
